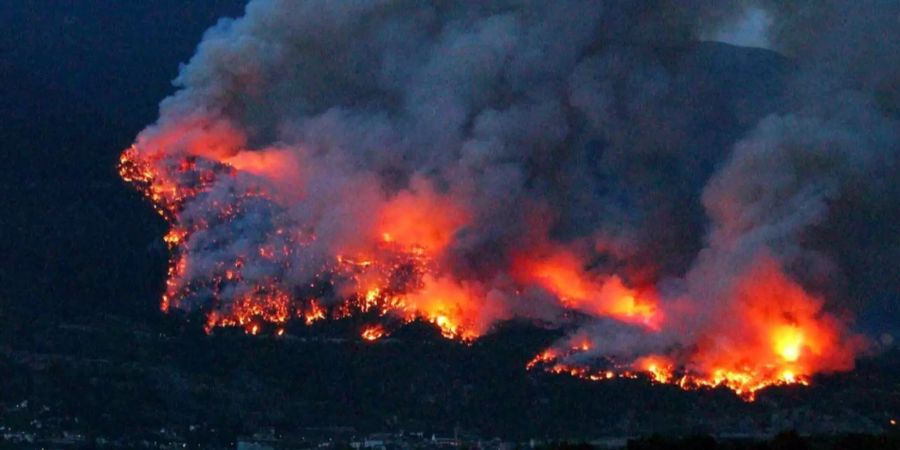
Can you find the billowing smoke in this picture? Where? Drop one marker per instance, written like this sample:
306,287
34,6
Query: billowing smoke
706,213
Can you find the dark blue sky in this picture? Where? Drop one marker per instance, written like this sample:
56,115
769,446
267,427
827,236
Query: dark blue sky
114,55
78,80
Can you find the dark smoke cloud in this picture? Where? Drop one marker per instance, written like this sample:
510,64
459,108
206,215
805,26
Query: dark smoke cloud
604,127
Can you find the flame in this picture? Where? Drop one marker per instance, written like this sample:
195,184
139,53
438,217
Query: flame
372,332
562,274
787,341
582,345
782,335
659,368
314,313
544,357
446,304
267,307
768,331
415,224
421,219
779,335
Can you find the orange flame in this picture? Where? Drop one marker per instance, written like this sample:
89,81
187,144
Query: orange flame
777,335
448,305
314,313
372,332
768,331
420,219
562,274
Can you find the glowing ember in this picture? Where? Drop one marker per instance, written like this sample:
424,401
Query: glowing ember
372,332
313,313
659,368
543,357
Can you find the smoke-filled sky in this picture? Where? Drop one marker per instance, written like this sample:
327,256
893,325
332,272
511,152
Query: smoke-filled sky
598,165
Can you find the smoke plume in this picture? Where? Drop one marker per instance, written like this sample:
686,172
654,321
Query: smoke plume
705,213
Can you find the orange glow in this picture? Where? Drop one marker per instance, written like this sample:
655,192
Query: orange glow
314,313
543,357
175,236
582,345
659,368
765,330
372,332
266,307
563,275
781,336
421,219
197,136
773,334
787,341
280,167
372,296
448,305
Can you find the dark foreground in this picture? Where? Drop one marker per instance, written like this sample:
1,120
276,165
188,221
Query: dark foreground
108,379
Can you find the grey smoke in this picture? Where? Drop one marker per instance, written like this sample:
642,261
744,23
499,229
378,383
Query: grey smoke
606,127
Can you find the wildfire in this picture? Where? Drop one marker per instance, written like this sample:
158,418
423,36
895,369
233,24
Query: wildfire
561,274
544,357
780,336
420,219
266,307
313,313
660,369
372,332
777,335
787,341
414,227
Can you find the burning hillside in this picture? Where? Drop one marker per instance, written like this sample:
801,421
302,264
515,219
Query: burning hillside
469,164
